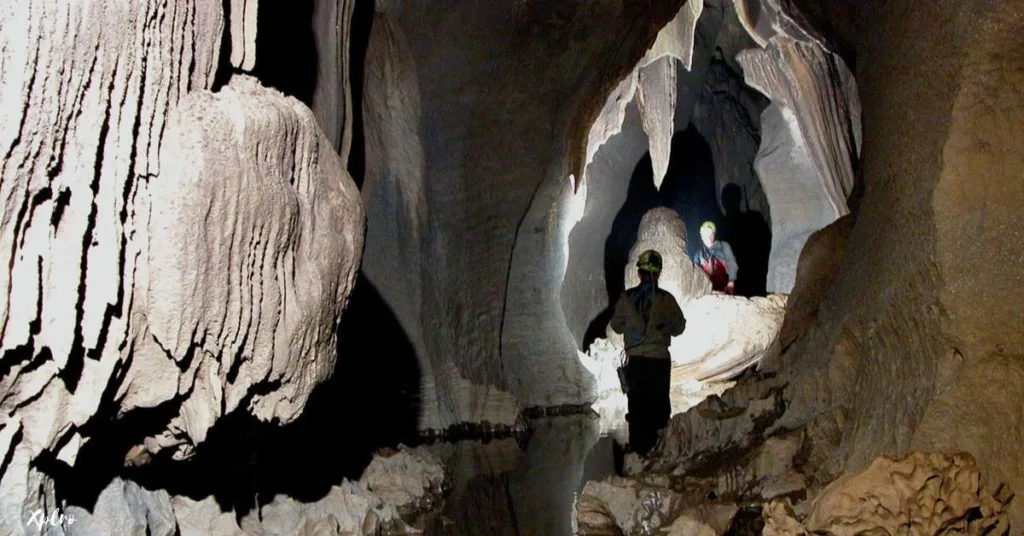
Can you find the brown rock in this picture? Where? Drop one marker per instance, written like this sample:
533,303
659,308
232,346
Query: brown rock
922,493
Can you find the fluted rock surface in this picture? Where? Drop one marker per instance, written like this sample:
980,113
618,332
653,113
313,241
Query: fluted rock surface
331,101
84,97
252,254
166,244
811,137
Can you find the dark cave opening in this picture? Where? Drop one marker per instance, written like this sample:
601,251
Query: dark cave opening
359,42
370,402
689,185
286,55
751,239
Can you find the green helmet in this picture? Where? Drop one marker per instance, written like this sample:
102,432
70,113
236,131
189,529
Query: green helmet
709,225
649,261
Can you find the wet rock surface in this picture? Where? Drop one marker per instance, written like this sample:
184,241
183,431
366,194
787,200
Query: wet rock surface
396,486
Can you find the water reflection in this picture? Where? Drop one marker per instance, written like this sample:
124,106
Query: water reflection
501,488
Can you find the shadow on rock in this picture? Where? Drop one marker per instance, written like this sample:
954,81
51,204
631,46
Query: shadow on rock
751,239
371,401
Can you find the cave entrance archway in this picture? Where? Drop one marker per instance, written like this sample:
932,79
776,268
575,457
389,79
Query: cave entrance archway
688,188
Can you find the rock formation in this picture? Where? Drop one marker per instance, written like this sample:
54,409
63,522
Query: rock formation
662,230
168,244
402,483
923,494
810,139
724,334
181,235
819,263
250,292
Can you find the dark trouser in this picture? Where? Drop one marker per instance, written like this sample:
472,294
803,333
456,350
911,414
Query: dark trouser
649,404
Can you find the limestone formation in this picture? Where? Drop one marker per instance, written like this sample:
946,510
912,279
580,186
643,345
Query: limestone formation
810,139
601,361
84,98
890,315
726,334
662,229
243,33
187,252
203,518
656,98
727,113
815,272
331,101
410,479
780,520
921,493
123,508
731,422
584,290
647,505
632,506
676,39
657,86
346,509
177,245
250,291
566,295
495,234
405,482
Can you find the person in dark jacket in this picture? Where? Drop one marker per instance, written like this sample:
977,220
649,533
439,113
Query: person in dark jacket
717,260
648,317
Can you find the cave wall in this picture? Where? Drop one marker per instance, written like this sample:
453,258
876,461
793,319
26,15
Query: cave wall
810,141
169,246
331,101
918,342
712,98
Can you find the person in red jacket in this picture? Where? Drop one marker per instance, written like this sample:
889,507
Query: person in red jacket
717,260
